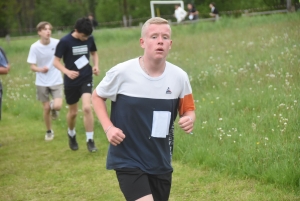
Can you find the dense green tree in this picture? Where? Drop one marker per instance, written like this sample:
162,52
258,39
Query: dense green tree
61,13
8,10
21,16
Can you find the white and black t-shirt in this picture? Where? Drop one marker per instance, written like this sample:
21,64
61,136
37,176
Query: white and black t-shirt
145,108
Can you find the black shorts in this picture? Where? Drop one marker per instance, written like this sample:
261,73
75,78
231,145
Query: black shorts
134,184
73,94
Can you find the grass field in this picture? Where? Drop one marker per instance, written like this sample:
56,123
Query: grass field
246,144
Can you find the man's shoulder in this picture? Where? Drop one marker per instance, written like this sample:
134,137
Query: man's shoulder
124,67
126,64
54,40
65,41
175,68
91,38
35,44
66,37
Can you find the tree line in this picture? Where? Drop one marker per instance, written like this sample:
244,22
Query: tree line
19,17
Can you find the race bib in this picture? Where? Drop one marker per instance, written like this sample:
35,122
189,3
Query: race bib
81,62
161,124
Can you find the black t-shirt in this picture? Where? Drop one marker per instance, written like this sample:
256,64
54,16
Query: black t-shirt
71,49
216,12
193,11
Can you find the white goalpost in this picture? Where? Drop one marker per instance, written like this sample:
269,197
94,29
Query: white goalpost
152,3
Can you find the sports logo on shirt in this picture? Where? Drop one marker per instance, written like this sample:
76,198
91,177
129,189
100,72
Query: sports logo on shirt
80,50
168,91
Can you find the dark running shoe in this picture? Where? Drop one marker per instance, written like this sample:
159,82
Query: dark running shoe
91,146
73,143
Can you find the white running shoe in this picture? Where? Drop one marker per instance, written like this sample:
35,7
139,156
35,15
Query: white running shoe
49,136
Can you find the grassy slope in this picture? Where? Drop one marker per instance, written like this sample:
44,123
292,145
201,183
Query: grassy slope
32,169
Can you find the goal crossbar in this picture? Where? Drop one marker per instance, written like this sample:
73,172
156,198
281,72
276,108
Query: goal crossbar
152,3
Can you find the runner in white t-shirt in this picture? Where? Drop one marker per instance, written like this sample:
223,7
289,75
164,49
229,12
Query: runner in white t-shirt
48,79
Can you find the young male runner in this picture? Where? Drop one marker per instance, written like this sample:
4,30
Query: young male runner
48,79
75,49
147,93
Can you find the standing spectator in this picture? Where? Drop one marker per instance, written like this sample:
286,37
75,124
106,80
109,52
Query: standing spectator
75,49
214,12
48,79
4,69
179,13
192,12
94,22
147,93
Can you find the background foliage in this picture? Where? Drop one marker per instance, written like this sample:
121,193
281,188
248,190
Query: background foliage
19,17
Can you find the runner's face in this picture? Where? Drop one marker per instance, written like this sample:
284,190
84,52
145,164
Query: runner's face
156,41
45,33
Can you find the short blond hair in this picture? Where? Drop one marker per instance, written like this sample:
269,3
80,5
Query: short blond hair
42,25
154,20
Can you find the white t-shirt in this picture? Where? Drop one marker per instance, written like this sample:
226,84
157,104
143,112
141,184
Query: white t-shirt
43,55
180,14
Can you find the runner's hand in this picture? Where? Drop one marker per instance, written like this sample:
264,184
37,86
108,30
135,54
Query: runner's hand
44,69
95,70
72,74
115,136
186,123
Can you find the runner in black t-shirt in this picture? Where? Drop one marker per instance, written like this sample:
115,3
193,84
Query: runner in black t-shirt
75,49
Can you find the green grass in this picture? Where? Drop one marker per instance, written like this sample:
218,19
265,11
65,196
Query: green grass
245,79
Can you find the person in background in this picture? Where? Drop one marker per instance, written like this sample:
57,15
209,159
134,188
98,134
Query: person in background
214,12
147,93
179,13
48,79
94,22
192,12
75,49
4,69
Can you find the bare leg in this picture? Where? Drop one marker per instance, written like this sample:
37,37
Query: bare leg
57,103
71,116
146,198
88,119
46,114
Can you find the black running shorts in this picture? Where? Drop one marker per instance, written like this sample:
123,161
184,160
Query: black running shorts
73,94
135,184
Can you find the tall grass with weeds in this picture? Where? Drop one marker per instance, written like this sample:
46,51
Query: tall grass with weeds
245,76
245,79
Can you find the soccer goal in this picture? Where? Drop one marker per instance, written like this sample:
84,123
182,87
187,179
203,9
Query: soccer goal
152,3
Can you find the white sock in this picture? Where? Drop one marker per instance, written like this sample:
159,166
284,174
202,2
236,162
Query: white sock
89,136
72,133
